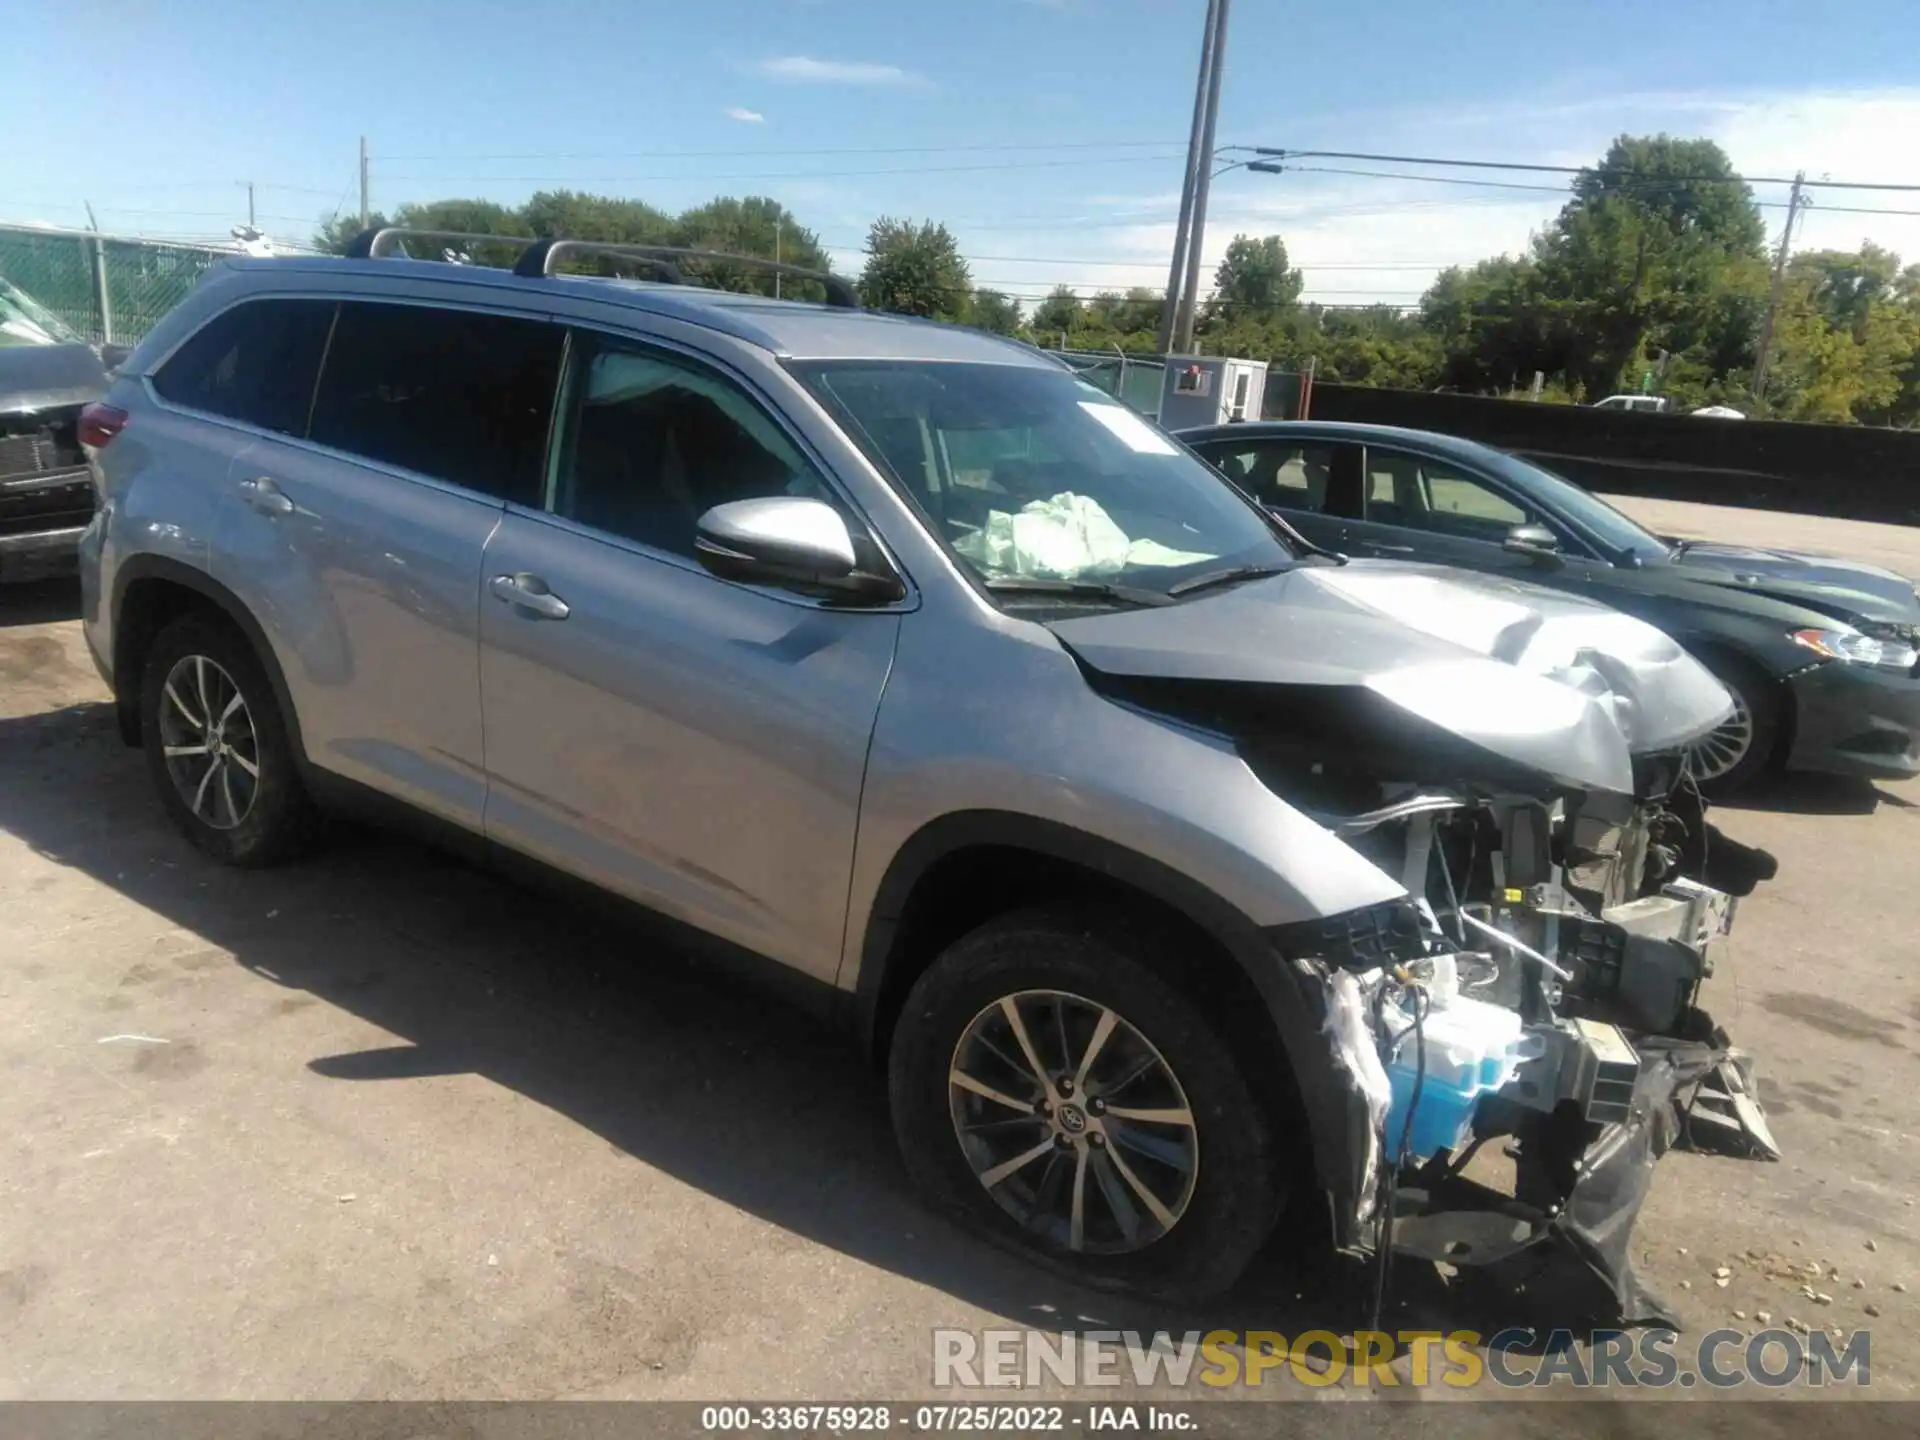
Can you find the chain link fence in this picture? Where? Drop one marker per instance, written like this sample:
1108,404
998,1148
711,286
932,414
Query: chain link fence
105,287
1133,380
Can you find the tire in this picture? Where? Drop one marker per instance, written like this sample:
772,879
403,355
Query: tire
244,806
955,1019
1758,703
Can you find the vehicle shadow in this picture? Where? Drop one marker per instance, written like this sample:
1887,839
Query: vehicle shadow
1798,793
39,602
711,1083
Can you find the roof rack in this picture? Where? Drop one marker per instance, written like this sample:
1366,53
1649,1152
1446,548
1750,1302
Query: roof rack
376,244
538,257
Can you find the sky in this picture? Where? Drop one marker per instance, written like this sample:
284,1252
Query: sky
1049,135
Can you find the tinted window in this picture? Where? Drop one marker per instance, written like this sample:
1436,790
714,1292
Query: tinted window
1286,473
255,362
464,398
1424,494
652,443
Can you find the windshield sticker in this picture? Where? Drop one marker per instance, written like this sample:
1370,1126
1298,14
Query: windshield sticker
1131,430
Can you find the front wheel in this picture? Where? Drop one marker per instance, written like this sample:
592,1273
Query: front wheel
1740,749
1059,1095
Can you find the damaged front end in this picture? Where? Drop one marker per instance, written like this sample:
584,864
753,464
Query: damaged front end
1513,758
1540,988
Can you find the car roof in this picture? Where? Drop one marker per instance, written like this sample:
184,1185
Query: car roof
1450,446
793,329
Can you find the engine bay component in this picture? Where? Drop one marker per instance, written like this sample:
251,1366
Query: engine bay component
1555,1006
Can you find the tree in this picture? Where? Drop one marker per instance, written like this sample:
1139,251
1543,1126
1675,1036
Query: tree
1254,276
336,232
753,226
577,215
1060,312
1491,325
1847,339
996,311
1660,243
460,217
915,270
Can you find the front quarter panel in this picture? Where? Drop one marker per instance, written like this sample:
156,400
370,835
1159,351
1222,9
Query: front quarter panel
996,716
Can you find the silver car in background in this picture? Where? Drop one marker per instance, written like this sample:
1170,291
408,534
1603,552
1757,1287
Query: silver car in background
1131,834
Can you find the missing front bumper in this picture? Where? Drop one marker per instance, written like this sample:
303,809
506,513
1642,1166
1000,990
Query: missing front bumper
1564,1236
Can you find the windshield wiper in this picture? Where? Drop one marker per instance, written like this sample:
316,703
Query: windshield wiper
1229,576
1076,589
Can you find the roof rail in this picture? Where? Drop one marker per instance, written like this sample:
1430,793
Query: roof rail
539,258
374,244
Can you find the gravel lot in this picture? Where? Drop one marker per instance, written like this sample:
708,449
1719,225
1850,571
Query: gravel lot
381,1126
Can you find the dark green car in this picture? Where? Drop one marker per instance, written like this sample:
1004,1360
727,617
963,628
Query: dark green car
1820,653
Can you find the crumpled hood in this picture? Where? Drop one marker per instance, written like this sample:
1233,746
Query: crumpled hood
1823,582
49,377
1551,681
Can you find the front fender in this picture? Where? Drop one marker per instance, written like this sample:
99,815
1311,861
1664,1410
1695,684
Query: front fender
993,736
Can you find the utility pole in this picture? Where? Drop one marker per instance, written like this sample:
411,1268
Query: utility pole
1163,342
1202,182
1765,357
777,228
364,214
249,185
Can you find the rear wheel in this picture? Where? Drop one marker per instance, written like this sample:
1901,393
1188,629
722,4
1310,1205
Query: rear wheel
217,748
1739,750
1059,1095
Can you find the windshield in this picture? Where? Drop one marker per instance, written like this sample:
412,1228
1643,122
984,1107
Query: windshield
23,321
1591,513
1031,474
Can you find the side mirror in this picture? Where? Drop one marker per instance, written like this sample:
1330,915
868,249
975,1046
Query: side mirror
789,541
1532,540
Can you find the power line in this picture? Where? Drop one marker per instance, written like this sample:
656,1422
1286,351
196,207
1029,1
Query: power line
1597,171
832,150
1628,183
778,174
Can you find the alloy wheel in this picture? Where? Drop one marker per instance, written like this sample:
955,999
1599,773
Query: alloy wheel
1724,747
207,736
1073,1122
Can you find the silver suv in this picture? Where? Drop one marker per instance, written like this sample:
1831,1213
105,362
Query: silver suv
1133,836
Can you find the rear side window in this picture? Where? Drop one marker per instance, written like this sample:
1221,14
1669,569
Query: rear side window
458,396
256,362
1291,474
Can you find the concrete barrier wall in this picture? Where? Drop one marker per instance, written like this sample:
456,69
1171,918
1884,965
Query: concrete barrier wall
1845,470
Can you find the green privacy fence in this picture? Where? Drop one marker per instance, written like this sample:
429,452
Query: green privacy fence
105,287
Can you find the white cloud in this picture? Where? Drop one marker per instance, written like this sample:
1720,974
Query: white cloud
807,70
744,115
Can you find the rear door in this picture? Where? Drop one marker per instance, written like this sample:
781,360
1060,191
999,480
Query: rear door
695,744
356,539
1313,483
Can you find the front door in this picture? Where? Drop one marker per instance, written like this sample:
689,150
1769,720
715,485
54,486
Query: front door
1415,507
694,744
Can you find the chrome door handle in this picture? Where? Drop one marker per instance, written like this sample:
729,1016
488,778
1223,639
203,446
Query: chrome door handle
266,496
530,593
